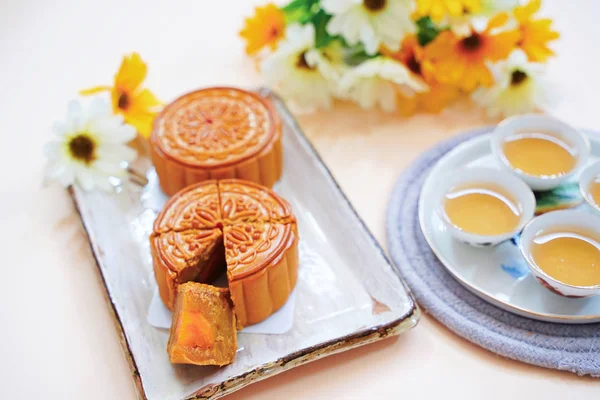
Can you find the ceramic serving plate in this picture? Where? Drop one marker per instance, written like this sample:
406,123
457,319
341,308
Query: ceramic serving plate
348,293
499,274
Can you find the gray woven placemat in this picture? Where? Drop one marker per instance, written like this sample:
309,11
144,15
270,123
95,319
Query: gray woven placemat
574,348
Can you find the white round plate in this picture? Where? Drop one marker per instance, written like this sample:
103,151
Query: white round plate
499,274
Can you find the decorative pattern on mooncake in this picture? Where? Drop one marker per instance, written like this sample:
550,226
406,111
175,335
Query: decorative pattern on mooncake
248,202
216,133
251,233
262,268
196,207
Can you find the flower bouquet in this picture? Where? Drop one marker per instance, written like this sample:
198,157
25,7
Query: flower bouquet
411,55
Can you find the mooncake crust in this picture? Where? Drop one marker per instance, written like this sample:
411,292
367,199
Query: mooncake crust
242,201
255,240
216,133
195,207
262,268
179,257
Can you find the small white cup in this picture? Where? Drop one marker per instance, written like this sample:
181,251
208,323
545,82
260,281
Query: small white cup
513,186
588,175
533,122
567,218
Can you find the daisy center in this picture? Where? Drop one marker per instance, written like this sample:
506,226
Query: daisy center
471,43
123,102
517,77
374,5
302,63
83,148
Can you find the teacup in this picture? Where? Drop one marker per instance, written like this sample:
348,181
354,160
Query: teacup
550,221
515,189
539,123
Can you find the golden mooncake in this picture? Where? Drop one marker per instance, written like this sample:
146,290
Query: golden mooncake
203,331
247,230
216,133
262,267
179,257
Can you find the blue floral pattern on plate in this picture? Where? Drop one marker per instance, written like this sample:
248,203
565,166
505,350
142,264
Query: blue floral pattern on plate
563,197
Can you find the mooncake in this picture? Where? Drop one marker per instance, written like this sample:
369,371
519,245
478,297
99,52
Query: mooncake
216,133
262,267
204,329
232,226
179,257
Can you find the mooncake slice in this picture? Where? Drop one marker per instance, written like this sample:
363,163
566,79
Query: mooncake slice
179,257
243,201
216,133
196,207
203,331
262,268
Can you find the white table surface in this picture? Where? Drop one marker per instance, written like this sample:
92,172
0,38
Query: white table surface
58,340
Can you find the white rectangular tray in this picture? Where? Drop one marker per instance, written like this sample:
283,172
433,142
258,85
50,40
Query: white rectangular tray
348,293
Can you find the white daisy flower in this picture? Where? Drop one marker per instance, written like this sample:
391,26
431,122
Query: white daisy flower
378,81
519,87
464,24
372,22
301,73
90,147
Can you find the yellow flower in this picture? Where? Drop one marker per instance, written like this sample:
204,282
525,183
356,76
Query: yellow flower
138,106
535,33
266,28
461,60
438,95
438,9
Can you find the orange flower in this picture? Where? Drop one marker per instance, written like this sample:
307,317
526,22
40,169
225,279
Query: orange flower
535,33
461,61
138,106
266,28
412,55
438,96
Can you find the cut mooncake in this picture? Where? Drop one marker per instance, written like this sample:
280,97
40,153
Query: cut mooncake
262,267
204,326
216,133
179,257
251,234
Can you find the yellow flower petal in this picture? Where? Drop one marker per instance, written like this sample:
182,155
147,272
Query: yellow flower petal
438,97
437,10
523,13
497,21
535,33
265,28
141,121
144,101
407,105
94,90
131,74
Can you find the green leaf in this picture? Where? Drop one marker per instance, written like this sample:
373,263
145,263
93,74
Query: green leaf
300,11
322,38
426,30
356,55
